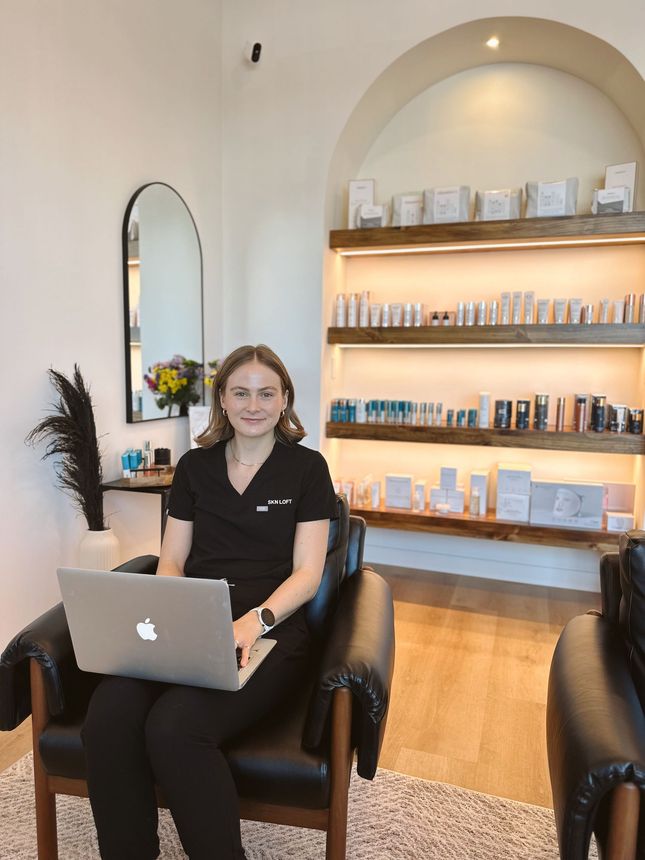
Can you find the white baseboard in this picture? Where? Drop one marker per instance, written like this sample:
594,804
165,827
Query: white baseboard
558,567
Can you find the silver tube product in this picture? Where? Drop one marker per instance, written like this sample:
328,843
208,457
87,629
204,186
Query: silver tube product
437,414
470,313
396,315
575,311
603,313
630,308
543,311
364,310
517,308
352,310
560,311
341,311
430,414
461,313
385,316
587,314
529,308
541,412
484,409
580,413
408,315
418,314
493,313
559,414
375,315
619,310
641,308
505,317
481,313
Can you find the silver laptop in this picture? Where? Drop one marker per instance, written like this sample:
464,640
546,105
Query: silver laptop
162,628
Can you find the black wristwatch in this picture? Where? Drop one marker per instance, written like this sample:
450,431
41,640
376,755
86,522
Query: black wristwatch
266,618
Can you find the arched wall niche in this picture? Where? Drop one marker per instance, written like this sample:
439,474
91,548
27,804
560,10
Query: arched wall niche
522,40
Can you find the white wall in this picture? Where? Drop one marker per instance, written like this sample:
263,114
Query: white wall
96,99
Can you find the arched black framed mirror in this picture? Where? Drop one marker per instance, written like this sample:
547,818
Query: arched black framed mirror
163,302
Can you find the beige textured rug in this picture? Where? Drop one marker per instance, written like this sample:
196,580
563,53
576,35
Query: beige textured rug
394,817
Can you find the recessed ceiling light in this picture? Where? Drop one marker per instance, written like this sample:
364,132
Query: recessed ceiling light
493,43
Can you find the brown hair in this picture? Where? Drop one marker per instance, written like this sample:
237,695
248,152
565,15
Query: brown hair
288,429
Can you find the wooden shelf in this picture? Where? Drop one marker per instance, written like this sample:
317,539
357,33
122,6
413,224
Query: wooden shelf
488,528
568,440
519,234
597,335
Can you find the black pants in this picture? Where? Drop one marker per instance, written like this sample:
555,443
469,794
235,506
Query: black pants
138,733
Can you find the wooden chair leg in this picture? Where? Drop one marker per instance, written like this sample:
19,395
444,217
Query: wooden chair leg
341,763
623,822
45,801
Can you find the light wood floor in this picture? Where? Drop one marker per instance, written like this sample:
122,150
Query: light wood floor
469,693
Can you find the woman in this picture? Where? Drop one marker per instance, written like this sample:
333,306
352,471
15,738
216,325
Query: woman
251,506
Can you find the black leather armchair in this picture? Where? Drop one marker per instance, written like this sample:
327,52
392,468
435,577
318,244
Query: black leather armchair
595,718
294,769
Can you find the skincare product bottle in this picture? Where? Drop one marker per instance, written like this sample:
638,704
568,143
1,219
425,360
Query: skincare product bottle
364,310
341,311
376,494
361,411
352,310
517,308
470,313
385,316
418,314
493,313
450,417
580,413
471,420
484,409
575,311
641,309
375,315
461,418
560,311
396,315
559,414
603,316
461,313
587,314
503,411
445,320
541,412
635,421
598,412
630,308
481,313
529,308
619,311
437,414
543,311
522,414
618,418
473,504
435,319
125,465
505,318
408,314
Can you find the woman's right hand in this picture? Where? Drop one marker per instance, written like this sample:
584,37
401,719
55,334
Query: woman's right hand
246,631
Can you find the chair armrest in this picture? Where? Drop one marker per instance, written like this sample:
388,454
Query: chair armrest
595,729
46,639
359,654
610,589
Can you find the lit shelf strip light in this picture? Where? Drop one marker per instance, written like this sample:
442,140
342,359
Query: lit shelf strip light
495,246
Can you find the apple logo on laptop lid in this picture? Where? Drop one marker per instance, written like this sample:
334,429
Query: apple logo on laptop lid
146,630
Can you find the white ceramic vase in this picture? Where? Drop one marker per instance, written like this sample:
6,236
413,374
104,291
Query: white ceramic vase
99,550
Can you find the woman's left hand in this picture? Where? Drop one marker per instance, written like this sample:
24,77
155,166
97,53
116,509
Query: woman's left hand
246,630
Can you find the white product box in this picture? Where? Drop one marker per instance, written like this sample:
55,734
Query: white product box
359,191
437,497
513,506
618,521
407,209
548,199
398,491
446,205
618,496
619,175
419,495
498,205
566,503
370,215
608,200
448,477
514,478
455,499
479,480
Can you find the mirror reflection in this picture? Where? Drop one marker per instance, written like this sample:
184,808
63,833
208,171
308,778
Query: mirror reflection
163,305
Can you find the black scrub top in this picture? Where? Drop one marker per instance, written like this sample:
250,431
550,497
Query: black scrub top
247,538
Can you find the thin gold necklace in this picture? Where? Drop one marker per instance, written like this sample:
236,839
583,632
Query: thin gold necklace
237,460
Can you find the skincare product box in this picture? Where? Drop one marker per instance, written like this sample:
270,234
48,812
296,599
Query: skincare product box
448,477
549,199
370,215
566,503
479,481
437,497
498,205
347,487
455,499
513,506
359,191
446,205
619,496
375,490
617,521
406,209
622,176
608,200
398,491
514,478
419,495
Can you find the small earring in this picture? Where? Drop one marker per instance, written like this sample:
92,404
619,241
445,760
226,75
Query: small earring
282,413
224,412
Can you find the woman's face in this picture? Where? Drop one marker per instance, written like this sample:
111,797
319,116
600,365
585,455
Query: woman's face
253,399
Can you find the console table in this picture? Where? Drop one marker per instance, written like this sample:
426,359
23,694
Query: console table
159,486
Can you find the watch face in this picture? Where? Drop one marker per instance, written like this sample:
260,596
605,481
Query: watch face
267,617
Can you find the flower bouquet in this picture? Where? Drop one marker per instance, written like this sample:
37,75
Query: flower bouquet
175,382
